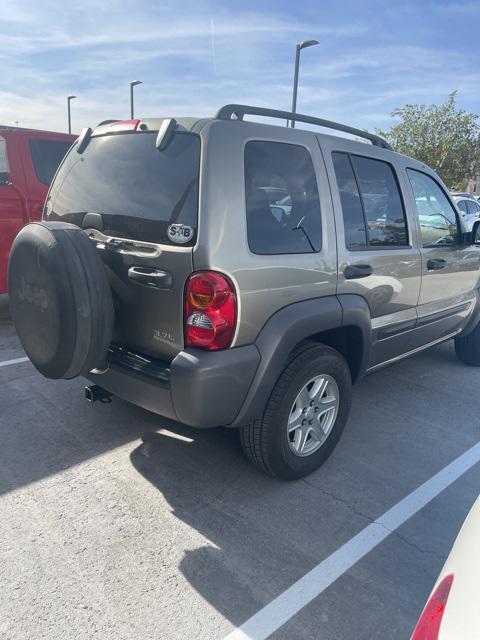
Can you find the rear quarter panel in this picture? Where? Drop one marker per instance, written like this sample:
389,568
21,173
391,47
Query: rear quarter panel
264,283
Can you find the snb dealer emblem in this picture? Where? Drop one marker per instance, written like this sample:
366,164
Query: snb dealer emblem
180,233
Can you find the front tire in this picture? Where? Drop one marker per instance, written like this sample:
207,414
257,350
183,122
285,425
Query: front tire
467,347
304,416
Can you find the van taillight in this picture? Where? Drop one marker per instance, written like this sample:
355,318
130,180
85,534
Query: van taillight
428,625
210,310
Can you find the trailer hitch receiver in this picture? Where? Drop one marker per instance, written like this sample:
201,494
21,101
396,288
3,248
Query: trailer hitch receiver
94,393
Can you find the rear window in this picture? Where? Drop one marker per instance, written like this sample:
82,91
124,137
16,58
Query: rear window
138,190
46,157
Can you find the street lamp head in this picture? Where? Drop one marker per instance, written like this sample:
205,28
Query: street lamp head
71,97
307,43
134,83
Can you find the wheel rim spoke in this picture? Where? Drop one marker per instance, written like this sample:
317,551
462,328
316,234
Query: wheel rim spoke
317,432
318,388
301,439
303,398
326,405
295,419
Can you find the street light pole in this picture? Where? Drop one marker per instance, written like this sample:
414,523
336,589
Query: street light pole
69,99
133,83
298,48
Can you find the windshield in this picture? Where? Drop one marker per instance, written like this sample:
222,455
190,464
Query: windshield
138,190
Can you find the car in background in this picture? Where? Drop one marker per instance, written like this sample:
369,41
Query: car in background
468,206
28,162
452,611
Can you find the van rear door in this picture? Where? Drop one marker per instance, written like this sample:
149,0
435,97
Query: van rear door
141,207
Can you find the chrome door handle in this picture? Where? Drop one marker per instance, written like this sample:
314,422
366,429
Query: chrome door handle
355,271
149,277
436,263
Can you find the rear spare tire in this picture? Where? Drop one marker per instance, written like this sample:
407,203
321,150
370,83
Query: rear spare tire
60,299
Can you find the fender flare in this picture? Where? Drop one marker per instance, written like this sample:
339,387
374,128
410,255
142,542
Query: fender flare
288,327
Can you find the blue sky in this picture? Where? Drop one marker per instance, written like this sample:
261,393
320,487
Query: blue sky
195,56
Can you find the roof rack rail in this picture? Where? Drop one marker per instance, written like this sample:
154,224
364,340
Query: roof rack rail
238,111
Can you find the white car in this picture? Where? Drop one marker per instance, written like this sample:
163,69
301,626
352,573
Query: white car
452,611
469,207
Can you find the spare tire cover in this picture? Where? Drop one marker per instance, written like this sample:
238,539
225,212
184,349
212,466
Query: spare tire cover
60,299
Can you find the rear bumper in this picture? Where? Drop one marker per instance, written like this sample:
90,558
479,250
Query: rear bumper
198,388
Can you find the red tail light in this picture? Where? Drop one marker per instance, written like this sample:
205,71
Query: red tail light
428,626
210,311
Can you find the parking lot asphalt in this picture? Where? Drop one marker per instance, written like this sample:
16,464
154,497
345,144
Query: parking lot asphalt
118,524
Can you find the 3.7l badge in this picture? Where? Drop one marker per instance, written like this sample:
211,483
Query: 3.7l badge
180,233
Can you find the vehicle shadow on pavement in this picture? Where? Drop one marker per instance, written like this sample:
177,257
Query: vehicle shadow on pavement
47,426
262,535
212,488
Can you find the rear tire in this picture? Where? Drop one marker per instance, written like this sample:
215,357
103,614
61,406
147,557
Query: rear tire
467,348
297,415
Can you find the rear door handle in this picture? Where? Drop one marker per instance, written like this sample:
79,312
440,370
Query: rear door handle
149,277
436,263
355,271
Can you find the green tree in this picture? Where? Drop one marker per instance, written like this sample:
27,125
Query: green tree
444,137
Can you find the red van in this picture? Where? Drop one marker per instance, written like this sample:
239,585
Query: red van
28,162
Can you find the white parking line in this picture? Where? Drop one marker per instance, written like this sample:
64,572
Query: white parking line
7,363
291,601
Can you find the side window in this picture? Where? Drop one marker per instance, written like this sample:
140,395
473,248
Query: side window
438,221
381,202
353,220
4,166
283,205
46,156
373,211
472,207
462,205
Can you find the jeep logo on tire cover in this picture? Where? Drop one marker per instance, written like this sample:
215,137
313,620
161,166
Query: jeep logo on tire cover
33,295
180,233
